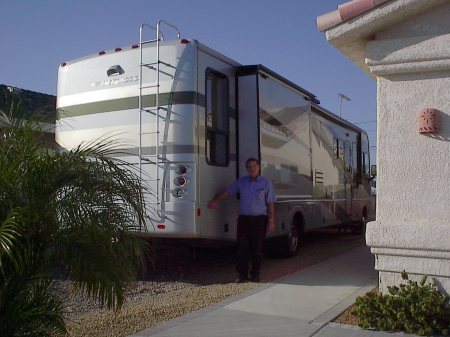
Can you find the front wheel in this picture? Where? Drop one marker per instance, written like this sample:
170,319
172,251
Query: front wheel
291,242
360,226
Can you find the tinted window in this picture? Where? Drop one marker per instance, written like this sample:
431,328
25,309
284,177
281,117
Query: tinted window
217,118
366,164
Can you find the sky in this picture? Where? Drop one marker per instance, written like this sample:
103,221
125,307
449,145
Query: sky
38,35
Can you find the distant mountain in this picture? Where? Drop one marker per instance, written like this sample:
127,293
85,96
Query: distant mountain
33,102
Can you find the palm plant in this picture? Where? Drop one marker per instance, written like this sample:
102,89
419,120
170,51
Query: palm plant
77,209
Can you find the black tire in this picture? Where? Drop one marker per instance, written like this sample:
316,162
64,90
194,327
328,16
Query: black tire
290,244
360,226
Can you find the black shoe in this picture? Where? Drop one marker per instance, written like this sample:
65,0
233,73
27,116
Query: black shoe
241,279
255,278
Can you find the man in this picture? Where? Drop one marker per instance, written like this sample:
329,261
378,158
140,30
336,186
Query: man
256,214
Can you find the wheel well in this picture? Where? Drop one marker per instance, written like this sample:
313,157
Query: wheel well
364,212
299,221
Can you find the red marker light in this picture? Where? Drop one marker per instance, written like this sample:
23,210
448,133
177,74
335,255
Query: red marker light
135,46
184,41
161,226
118,49
181,181
199,211
102,52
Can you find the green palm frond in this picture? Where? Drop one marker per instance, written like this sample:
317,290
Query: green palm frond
29,305
75,208
10,234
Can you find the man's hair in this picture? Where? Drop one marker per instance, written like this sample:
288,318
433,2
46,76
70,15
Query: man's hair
250,160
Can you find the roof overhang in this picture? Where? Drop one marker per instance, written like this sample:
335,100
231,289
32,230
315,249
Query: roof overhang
351,37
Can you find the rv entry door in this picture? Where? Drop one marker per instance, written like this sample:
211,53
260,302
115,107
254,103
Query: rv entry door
248,120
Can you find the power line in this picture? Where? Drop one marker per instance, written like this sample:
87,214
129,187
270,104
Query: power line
366,122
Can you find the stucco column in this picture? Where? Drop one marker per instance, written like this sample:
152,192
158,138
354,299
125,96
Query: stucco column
412,227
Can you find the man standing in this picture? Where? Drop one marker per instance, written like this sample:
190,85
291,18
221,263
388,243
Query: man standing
256,214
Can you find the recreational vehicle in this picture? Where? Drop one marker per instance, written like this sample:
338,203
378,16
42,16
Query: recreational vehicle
192,116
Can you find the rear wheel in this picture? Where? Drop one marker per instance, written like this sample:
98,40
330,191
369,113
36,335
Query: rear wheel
291,242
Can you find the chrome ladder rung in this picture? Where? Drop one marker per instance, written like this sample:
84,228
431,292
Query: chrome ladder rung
149,41
149,133
150,86
159,159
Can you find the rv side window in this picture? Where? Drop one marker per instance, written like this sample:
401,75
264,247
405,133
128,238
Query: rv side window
336,148
217,118
366,164
348,156
340,149
355,156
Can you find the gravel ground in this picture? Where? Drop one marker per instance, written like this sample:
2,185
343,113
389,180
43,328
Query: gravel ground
180,285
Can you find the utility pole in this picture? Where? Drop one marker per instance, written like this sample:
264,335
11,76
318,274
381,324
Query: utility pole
342,96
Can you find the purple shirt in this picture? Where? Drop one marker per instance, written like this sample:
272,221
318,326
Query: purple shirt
255,194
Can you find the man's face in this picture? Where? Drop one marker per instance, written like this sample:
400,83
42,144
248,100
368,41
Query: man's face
253,169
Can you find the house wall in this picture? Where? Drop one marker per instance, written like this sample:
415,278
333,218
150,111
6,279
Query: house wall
411,61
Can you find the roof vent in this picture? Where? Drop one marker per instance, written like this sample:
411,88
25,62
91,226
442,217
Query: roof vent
115,70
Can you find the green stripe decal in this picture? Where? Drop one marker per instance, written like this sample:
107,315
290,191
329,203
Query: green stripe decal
165,99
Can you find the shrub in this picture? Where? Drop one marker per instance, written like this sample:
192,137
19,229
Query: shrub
417,308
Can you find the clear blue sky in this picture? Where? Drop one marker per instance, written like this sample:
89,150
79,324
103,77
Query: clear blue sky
37,35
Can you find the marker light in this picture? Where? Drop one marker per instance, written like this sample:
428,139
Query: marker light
179,193
135,46
118,49
184,41
161,226
181,181
102,52
182,169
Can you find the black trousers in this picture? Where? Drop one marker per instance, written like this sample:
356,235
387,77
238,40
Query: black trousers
251,232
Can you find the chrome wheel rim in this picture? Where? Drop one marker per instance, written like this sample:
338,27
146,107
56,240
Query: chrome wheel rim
293,239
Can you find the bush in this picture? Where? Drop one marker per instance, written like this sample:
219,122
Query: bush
413,308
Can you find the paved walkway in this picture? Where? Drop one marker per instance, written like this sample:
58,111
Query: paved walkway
300,304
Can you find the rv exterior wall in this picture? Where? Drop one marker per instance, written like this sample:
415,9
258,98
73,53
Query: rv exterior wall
215,175
92,105
313,158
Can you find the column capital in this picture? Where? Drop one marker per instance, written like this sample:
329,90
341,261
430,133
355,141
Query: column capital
408,55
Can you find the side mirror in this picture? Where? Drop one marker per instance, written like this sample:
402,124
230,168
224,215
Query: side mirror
373,170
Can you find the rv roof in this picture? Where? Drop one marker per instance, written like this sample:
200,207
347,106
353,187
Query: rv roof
339,120
271,73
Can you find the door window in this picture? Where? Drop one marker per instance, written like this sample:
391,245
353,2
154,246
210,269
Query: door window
217,118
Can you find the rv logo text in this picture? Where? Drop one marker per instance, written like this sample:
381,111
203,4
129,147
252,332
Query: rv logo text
116,81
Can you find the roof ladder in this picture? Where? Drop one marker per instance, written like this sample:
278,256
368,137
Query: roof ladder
158,158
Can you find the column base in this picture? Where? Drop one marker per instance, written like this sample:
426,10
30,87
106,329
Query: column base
417,249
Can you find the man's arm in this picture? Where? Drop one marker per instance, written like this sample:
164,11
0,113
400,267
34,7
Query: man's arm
214,203
271,215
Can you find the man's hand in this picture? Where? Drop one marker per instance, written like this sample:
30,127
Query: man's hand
214,203
271,226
